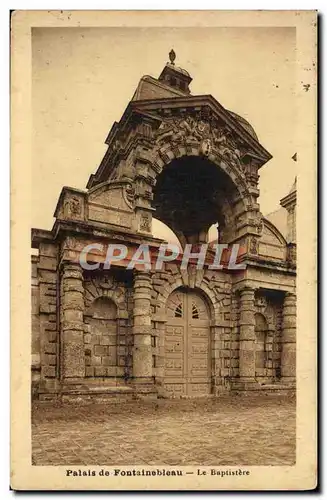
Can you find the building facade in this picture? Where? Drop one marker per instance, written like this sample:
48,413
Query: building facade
101,332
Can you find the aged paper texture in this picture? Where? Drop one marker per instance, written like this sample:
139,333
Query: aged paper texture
163,250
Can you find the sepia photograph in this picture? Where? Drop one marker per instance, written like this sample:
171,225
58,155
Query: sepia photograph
164,277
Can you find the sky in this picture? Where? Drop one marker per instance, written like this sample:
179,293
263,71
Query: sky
83,79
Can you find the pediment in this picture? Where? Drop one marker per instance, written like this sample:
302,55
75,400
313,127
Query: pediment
195,118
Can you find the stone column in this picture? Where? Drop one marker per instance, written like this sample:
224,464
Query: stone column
247,335
142,350
72,326
288,357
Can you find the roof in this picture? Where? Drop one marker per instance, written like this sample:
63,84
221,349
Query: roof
279,219
151,88
179,69
293,188
245,124
290,199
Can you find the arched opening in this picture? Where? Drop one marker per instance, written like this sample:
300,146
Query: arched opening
213,233
261,330
187,348
192,194
163,232
101,341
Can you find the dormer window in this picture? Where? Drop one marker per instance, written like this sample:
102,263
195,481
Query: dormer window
173,82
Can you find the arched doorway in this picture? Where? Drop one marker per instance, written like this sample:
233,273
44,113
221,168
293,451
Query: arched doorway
187,345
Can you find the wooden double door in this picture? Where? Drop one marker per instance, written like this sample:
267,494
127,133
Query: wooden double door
187,346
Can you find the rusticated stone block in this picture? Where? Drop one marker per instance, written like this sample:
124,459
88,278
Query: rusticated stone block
73,300
73,354
50,348
74,316
72,325
89,371
111,371
50,359
106,361
72,285
100,350
48,249
48,263
46,276
100,371
119,371
48,325
47,304
50,336
224,372
49,371
96,360
121,361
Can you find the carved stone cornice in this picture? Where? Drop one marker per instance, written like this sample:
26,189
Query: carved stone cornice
142,120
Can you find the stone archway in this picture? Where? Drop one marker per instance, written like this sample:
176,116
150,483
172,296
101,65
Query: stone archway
192,192
187,345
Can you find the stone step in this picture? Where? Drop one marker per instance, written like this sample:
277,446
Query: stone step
96,397
277,389
95,388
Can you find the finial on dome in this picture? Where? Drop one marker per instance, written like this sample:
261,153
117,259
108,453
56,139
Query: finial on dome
172,56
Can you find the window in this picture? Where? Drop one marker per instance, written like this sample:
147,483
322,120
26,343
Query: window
195,312
179,311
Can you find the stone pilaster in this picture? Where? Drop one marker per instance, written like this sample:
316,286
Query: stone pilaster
247,335
72,326
288,357
142,350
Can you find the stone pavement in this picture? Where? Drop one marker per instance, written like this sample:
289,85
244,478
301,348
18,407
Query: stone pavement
257,430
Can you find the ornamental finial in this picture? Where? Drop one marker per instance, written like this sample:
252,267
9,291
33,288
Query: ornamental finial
172,56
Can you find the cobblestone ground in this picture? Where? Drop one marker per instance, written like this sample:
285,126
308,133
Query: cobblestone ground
225,431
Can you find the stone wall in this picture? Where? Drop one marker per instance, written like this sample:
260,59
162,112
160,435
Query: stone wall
48,316
97,314
36,364
270,307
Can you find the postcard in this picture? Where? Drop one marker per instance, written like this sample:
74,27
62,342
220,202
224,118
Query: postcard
164,253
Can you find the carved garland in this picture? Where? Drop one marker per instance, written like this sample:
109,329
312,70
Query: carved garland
210,135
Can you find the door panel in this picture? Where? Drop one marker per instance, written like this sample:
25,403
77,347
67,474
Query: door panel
187,346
